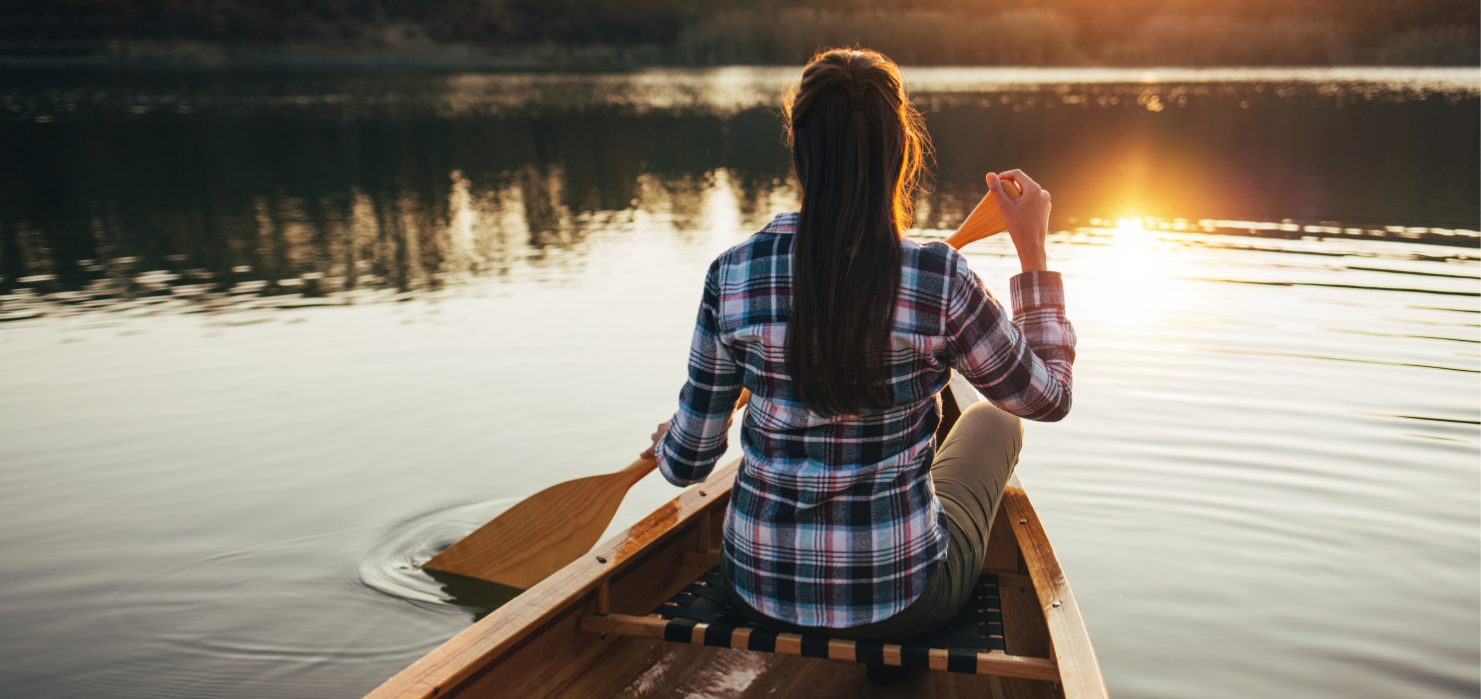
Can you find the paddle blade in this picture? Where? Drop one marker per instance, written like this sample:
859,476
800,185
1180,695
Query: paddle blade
542,534
986,220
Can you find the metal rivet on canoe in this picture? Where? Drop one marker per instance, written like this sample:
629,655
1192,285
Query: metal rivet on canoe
1056,604
601,560
1023,521
703,493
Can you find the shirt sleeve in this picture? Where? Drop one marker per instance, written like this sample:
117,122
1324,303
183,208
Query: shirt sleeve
1023,364
697,433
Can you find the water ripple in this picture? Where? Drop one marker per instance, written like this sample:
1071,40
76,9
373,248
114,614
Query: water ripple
392,565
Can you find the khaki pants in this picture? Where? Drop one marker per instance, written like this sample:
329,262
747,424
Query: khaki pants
970,472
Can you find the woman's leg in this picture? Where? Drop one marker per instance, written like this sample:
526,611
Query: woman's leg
971,470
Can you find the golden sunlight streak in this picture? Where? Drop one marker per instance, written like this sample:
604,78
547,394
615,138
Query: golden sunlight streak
1132,277
1130,224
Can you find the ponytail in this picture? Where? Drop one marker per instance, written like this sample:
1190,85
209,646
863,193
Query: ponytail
857,148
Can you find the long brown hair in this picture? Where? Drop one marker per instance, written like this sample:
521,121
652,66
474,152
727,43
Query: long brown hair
858,148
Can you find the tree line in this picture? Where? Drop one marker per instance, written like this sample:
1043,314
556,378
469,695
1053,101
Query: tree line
1097,30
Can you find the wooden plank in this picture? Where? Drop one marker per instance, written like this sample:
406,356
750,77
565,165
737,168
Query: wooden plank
704,559
936,658
625,625
1002,547
1079,670
559,663
1023,621
1009,578
694,671
996,662
1025,634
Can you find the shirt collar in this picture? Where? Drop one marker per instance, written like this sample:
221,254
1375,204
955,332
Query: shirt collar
782,223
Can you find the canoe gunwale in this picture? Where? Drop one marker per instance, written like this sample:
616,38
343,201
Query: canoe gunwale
1080,676
1079,669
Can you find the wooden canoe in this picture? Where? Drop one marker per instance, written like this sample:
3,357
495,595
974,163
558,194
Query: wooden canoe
547,642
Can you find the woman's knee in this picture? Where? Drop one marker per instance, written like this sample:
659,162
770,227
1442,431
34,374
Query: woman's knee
984,426
984,417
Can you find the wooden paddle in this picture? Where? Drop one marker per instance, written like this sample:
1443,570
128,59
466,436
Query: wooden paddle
545,531
555,526
985,220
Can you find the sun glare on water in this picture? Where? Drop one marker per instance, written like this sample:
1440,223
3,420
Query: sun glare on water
1131,276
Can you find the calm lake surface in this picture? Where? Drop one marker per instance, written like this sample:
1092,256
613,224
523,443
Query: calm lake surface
267,341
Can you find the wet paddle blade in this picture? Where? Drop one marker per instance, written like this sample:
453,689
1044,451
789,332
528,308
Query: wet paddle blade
543,533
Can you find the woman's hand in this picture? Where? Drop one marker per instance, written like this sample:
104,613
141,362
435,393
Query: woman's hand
663,428
1026,218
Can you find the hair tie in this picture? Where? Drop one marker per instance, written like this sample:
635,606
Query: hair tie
856,101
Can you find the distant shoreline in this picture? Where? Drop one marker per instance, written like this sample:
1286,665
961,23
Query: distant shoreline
501,35
194,55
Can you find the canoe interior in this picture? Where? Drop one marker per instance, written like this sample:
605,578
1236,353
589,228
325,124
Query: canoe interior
672,670
555,658
534,646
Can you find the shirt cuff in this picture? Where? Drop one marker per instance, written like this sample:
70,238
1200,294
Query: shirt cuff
1036,291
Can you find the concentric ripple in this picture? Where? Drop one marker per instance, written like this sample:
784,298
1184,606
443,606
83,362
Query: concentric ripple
392,564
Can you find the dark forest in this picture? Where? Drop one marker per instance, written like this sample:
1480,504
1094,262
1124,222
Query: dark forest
1063,32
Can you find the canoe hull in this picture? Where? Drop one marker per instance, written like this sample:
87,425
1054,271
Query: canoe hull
535,647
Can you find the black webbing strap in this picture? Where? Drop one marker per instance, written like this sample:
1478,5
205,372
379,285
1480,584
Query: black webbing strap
714,594
977,628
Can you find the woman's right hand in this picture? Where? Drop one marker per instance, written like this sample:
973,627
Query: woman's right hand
1026,218
652,451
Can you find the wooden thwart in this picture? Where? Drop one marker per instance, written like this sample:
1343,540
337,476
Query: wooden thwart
703,614
994,662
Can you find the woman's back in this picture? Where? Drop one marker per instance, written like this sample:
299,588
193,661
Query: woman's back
844,331
823,503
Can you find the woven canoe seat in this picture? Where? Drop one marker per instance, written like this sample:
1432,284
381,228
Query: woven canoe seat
702,614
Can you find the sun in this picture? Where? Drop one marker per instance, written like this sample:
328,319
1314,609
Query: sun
1134,273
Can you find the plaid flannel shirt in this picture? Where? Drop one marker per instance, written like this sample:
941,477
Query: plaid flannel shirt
833,521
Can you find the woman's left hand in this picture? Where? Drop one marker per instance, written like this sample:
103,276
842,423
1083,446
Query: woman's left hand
663,428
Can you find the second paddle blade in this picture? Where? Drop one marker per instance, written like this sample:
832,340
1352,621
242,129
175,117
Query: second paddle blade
986,219
541,534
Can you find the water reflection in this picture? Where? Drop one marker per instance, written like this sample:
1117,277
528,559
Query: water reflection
250,190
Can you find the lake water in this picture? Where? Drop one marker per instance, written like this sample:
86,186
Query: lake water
267,340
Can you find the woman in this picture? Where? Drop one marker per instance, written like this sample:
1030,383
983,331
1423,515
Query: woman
845,517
